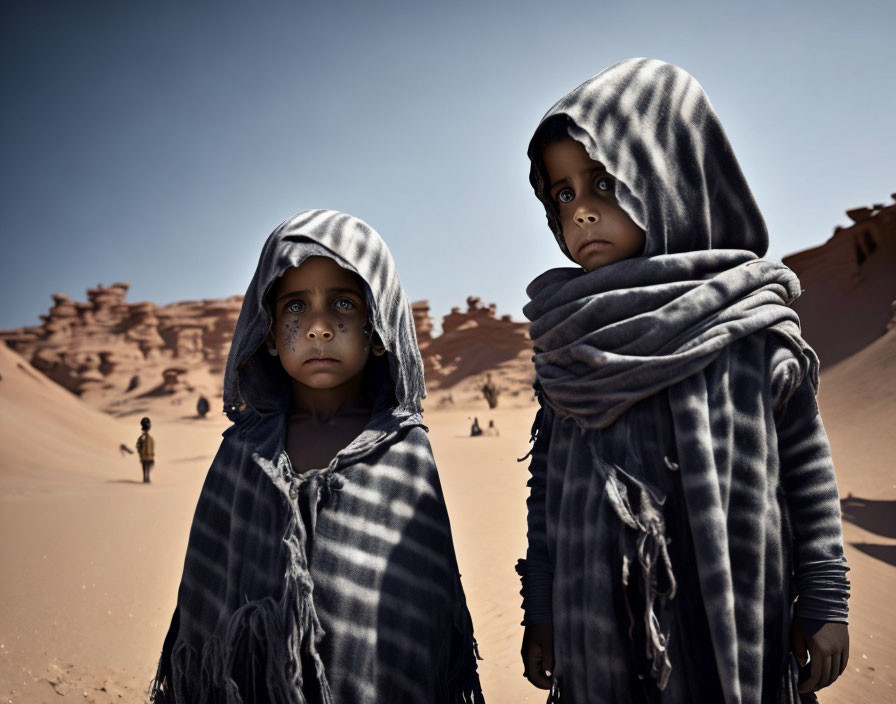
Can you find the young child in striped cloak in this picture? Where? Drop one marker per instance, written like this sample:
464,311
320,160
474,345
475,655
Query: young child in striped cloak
320,566
684,523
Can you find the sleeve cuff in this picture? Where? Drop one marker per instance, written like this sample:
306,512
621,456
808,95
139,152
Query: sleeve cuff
823,591
537,586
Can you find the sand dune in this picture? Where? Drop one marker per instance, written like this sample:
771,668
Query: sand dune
858,397
857,401
848,284
91,558
50,436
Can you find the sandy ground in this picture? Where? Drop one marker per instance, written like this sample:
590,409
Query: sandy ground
91,557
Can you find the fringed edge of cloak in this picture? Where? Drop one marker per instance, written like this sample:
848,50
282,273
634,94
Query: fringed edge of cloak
463,685
279,633
262,642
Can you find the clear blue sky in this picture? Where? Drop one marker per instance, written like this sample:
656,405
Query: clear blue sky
160,142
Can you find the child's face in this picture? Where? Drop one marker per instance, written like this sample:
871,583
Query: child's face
596,230
320,329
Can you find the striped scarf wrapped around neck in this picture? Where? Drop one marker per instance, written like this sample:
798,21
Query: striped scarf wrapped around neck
601,348
607,339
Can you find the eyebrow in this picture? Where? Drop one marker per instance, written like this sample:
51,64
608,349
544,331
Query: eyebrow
565,179
333,289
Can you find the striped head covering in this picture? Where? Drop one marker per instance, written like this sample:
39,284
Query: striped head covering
652,126
700,321
355,246
339,584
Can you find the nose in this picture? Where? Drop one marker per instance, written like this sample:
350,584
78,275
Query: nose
586,215
320,330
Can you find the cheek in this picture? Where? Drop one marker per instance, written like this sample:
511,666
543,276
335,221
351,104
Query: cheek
290,332
638,239
351,332
354,333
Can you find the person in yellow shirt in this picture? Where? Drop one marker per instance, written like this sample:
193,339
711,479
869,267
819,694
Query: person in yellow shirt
146,448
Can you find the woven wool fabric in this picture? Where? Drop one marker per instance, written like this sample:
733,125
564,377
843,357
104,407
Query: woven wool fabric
339,584
686,363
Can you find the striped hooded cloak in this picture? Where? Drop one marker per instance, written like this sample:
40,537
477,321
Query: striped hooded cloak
682,491
339,584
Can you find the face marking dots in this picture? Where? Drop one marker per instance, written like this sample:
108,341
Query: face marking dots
291,334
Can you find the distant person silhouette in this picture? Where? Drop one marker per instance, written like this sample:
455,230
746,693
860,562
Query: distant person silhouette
490,391
202,406
146,448
475,430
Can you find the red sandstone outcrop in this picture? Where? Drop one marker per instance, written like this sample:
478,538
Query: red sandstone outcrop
109,351
849,284
114,353
96,349
474,342
422,323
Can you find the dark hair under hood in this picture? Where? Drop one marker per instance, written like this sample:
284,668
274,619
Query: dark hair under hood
652,126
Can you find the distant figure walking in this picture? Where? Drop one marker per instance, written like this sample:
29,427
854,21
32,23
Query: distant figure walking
146,448
202,406
475,430
492,429
490,391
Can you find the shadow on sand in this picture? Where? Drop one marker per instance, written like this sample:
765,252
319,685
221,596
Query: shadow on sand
131,412
197,458
124,481
875,516
885,553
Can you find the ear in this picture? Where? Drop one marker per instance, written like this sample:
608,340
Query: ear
377,346
271,344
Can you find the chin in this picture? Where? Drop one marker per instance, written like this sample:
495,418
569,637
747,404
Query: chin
594,263
322,383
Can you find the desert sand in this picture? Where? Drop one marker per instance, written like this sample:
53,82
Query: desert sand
92,557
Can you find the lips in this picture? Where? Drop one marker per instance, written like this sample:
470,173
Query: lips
321,362
594,245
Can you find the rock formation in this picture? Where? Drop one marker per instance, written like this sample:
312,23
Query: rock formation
104,348
849,284
114,353
108,350
422,323
474,342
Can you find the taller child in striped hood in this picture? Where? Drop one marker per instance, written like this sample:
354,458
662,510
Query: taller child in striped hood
682,491
320,566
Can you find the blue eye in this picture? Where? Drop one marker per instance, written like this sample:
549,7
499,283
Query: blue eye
605,184
344,304
296,307
566,195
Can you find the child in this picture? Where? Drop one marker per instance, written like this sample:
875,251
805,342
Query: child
320,566
146,448
682,491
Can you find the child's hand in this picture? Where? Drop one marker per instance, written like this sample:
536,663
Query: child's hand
538,654
828,651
